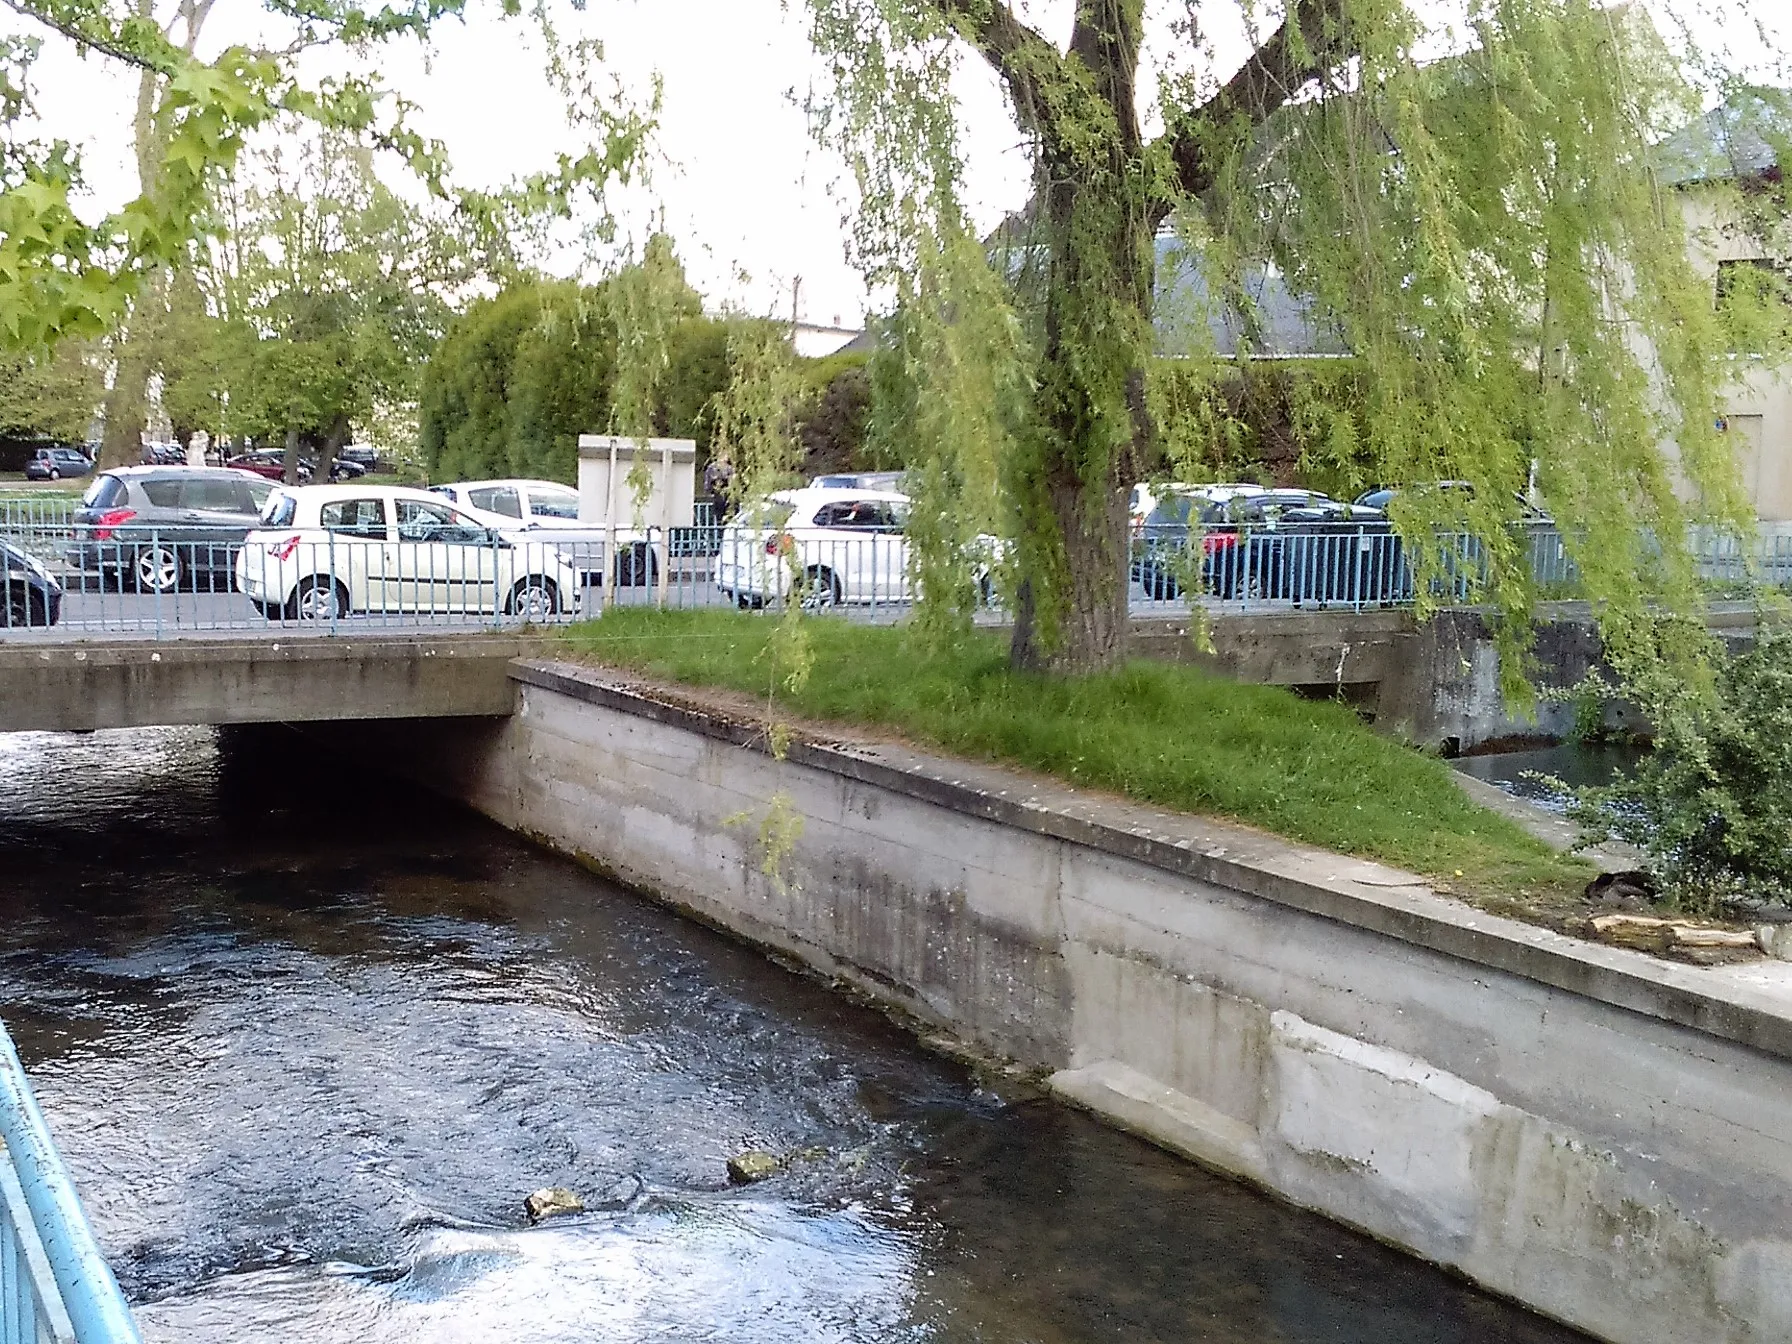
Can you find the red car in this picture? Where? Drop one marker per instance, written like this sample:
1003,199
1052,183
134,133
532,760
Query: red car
271,465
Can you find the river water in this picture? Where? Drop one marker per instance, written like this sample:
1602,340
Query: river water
307,1041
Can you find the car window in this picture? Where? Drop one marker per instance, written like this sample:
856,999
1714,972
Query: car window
420,521
355,517
216,494
864,514
259,489
103,493
278,509
553,503
164,494
497,499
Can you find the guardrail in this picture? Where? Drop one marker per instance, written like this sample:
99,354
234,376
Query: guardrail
54,1283
154,580
43,510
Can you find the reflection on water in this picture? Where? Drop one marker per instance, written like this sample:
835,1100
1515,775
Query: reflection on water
307,1041
1576,764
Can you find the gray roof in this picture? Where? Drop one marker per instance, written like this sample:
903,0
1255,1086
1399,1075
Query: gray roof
1269,323
1742,137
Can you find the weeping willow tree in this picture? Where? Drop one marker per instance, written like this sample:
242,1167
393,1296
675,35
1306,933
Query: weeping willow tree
1467,209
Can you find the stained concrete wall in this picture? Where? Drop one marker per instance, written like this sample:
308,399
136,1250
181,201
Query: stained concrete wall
1594,1133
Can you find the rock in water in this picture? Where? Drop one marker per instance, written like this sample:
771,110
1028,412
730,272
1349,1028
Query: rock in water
552,1201
745,1168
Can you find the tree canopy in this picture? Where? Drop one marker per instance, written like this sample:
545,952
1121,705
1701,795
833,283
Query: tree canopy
522,374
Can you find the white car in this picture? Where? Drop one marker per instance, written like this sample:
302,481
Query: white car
324,551
552,509
827,545
545,504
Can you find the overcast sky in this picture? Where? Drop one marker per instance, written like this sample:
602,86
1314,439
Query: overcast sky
755,204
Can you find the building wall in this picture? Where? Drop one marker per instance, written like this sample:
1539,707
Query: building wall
1756,400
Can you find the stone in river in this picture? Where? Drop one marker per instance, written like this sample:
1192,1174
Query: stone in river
550,1201
745,1168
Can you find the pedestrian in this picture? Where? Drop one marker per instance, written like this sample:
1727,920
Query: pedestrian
718,483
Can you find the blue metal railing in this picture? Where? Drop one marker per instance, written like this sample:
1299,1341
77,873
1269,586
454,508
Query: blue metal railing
54,1284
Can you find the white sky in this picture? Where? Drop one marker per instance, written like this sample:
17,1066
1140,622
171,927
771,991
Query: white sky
754,203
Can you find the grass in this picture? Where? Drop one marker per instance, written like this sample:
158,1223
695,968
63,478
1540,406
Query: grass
1169,735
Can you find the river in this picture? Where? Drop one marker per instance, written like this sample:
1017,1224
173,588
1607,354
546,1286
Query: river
307,1040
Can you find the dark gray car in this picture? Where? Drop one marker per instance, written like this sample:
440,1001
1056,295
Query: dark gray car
157,529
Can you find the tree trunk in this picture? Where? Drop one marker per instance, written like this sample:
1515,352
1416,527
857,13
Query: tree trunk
334,438
121,442
292,457
1093,426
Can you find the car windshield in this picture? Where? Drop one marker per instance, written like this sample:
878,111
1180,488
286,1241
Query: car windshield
278,510
767,513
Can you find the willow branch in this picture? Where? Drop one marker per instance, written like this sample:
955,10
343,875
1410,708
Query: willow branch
1017,52
1310,41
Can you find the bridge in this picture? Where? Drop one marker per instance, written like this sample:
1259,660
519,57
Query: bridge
1436,683
80,685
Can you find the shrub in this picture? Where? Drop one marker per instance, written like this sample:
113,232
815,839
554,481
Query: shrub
1712,803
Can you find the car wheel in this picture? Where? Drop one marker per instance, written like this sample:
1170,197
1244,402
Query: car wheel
318,599
55,475
819,588
18,612
535,599
636,566
157,569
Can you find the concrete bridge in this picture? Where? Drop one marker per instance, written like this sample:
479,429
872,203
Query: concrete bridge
1436,683
81,685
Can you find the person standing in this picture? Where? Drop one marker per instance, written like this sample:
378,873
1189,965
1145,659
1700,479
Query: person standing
718,482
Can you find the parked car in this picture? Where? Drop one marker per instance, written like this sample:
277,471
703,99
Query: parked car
33,597
538,503
1383,496
272,465
860,480
158,529
325,551
551,508
1147,495
163,455
361,455
52,464
825,546
1281,544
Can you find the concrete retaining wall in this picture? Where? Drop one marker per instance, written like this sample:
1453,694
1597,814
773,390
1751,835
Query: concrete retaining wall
1597,1134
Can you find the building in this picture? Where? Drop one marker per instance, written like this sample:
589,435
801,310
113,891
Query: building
1726,168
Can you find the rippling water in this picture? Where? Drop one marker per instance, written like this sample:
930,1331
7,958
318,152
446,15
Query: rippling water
307,1041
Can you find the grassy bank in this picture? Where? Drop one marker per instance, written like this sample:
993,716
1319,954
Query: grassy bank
1173,736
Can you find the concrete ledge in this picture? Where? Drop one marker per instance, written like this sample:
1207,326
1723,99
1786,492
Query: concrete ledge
1755,1011
116,683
